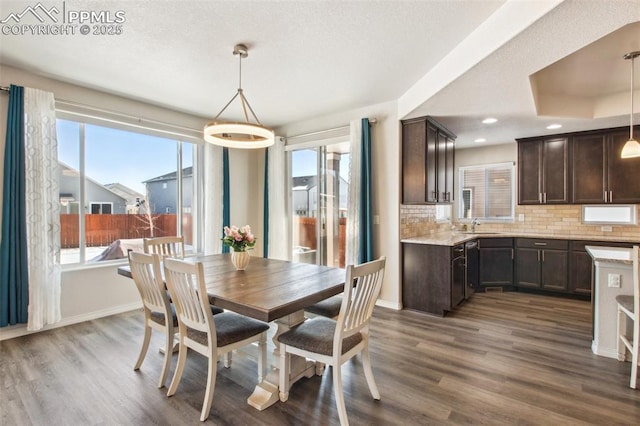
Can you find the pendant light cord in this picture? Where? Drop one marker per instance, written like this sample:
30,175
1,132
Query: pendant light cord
633,58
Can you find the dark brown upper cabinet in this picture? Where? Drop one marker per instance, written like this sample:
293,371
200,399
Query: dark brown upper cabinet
427,162
543,170
599,175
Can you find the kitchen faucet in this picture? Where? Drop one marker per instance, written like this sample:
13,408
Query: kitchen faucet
474,222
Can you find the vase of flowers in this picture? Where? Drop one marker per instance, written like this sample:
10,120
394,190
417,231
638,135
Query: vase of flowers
241,240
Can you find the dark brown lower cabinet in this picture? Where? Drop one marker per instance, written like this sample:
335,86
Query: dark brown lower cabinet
542,264
433,277
495,263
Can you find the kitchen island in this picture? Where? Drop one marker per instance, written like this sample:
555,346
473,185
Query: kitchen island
613,275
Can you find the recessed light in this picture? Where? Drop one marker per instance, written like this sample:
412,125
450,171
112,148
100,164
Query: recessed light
554,126
489,120
480,140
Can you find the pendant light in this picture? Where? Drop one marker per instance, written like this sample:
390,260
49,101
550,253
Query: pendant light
631,148
245,135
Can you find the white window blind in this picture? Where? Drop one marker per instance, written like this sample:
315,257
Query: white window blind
487,192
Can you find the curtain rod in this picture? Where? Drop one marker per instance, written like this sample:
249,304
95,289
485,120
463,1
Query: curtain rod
319,132
4,89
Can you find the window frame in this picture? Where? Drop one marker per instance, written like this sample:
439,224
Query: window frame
197,170
485,167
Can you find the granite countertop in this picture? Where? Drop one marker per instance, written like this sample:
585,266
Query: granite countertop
611,254
452,238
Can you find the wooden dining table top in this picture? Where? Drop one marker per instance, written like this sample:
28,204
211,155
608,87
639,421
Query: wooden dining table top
268,289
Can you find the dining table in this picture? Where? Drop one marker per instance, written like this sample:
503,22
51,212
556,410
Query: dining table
269,290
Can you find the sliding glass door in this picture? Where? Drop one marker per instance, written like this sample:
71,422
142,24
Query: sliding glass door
319,187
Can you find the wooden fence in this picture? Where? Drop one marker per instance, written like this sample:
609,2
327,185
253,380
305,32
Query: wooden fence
103,229
307,235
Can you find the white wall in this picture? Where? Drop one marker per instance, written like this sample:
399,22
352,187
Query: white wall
386,183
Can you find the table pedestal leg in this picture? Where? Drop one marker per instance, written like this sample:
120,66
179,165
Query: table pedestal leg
265,393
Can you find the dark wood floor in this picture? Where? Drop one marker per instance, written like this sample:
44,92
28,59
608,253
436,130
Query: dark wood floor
506,358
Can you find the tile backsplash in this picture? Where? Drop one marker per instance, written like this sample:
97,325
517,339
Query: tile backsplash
417,220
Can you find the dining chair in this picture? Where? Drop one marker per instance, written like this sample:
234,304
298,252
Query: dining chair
205,333
173,247
165,246
334,342
329,307
629,309
158,311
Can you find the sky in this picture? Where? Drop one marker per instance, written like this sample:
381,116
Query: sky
118,156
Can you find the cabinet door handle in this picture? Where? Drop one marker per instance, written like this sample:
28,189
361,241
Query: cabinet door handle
611,196
435,195
511,252
542,255
538,255
544,198
605,197
540,197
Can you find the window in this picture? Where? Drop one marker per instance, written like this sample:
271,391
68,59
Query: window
609,215
101,208
119,186
487,192
318,191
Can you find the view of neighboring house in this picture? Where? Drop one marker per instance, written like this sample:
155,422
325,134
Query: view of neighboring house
161,192
135,201
100,199
305,195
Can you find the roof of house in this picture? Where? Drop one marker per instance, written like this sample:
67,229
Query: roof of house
123,191
186,172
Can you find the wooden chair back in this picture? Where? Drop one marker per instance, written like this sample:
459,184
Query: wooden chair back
186,285
147,275
361,290
172,247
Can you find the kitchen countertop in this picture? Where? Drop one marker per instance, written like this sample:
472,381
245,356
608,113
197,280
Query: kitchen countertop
610,254
452,238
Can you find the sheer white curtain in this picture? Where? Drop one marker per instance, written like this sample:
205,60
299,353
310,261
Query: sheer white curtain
212,199
278,229
42,208
352,242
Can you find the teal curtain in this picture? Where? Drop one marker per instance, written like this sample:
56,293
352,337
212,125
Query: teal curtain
265,223
366,219
14,279
226,205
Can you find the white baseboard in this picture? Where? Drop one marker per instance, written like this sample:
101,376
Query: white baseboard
21,329
388,304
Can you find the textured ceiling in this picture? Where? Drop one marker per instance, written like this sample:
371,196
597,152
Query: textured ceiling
311,58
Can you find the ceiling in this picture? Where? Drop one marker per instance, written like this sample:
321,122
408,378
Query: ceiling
314,58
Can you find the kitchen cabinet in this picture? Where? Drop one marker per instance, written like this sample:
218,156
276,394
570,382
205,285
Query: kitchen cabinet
599,175
433,277
428,159
543,170
542,264
495,263
622,173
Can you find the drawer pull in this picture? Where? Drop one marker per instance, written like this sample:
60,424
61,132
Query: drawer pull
539,244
